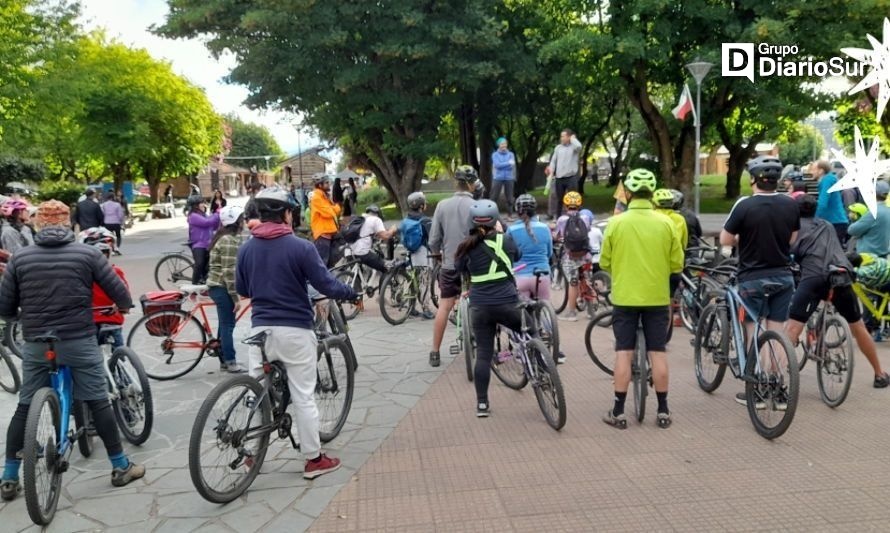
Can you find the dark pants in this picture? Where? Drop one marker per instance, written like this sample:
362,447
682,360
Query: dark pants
116,229
562,186
202,265
323,245
225,312
841,230
507,187
485,319
373,260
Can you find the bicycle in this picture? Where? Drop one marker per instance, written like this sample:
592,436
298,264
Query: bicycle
697,287
10,379
249,412
593,284
771,382
876,302
357,275
466,341
13,338
403,287
173,270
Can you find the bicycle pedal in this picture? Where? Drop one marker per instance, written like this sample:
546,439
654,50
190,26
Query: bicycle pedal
453,350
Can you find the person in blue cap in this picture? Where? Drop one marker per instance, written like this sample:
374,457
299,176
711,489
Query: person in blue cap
503,172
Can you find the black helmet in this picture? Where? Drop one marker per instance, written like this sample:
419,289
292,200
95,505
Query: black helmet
765,167
466,173
484,213
526,203
274,200
678,199
416,200
795,175
374,210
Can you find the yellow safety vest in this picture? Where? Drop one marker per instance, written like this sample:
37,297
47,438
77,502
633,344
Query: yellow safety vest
494,274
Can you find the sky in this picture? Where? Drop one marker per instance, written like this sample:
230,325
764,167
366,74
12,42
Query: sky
128,21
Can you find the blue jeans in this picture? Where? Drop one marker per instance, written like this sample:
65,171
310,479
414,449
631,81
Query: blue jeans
117,336
225,311
775,306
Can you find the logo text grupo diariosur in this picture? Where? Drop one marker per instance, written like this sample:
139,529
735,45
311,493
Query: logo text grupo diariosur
739,60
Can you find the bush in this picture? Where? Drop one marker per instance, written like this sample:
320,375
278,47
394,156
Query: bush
142,200
14,168
63,191
376,195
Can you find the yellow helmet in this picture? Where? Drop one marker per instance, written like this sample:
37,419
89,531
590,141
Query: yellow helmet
572,200
663,198
857,210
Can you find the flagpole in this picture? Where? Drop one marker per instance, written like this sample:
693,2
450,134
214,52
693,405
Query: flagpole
699,69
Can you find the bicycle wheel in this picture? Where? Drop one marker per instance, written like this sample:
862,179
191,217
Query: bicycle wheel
133,407
834,365
601,283
10,379
337,325
693,302
711,347
434,285
640,376
12,337
467,341
229,439
397,297
334,387
348,277
601,360
548,327
173,270
559,294
41,468
170,343
505,364
547,385
772,386
83,418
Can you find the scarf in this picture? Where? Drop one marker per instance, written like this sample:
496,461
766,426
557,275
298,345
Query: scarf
270,230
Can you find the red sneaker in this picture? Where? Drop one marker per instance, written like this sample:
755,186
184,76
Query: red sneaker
320,466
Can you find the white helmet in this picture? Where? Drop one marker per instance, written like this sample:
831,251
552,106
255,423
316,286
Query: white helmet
230,214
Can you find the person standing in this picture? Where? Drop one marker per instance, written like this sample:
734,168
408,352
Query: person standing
201,230
168,194
872,233
113,218
353,194
323,219
564,166
218,201
503,172
830,205
337,193
89,213
223,252
347,199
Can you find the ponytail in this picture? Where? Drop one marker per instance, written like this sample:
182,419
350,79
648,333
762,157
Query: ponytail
527,219
477,235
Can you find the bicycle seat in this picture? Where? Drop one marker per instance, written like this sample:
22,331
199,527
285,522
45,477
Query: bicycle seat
46,338
257,340
540,272
198,290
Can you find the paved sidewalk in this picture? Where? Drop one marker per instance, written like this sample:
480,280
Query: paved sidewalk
445,470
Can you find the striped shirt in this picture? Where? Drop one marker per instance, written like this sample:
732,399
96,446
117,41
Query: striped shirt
222,264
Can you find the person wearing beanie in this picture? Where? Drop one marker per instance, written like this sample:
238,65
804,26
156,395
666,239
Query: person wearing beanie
503,174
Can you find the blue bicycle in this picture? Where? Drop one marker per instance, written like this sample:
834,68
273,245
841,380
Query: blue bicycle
49,439
768,367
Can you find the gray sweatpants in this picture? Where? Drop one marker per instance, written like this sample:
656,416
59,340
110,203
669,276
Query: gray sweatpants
507,187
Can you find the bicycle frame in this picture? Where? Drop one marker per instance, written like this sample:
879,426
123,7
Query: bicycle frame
737,311
863,293
60,378
197,312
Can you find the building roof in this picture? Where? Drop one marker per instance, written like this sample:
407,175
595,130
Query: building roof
345,174
314,151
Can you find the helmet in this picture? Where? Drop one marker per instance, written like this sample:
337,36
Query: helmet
12,205
765,168
678,199
274,199
640,179
663,198
96,236
588,214
794,175
572,200
526,203
466,173
416,200
321,178
484,213
194,200
230,214
374,210
857,210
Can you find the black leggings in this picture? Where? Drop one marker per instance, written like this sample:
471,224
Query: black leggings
373,260
103,420
485,319
116,229
202,265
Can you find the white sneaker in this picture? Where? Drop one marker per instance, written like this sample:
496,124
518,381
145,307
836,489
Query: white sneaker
569,317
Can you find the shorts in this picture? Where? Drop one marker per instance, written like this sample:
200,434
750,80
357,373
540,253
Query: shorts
449,283
82,356
777,305
571,267
814,290
656,321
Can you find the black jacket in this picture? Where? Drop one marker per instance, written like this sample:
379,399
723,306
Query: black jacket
52,283
693,227
89,214
817,247
477,262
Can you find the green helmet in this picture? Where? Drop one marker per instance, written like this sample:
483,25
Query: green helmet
466,173
857,210
663,198
639,179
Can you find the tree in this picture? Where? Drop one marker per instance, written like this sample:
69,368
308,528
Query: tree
249,139
801,144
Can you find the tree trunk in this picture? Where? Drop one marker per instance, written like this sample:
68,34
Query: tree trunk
739,154
400,176
528,164
466,121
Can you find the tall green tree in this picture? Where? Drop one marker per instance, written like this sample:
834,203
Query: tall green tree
248,139
801,144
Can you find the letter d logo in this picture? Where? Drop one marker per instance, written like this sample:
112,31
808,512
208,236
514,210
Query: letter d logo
737,60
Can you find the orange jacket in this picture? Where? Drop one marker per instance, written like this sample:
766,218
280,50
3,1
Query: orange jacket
323,214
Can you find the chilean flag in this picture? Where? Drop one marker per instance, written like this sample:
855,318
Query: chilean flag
684,106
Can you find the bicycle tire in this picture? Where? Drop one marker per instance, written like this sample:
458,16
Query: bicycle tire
133,402
640,376
12,337
548,327
34,453
434,285
329,428
467,339
348,278
176,274
394,291
598,320
828,365
154,349
13,382
708,349
601,285
337,325
198,437
756,388
546,369
700,299
559,294
510,370
83,418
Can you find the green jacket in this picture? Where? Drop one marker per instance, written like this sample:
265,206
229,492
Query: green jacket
641,249
874,272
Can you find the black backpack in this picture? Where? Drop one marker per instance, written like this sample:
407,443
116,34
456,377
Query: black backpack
575,234
353,230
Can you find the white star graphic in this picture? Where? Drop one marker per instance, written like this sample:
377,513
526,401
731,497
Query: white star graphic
863,172
878,58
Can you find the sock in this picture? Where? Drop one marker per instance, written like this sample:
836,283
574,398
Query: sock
619,403
11,469
119,461
662,402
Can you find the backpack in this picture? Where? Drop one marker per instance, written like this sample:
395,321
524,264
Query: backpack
412,234
353,230
575,234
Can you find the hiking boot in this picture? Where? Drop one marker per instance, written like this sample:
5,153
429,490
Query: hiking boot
233,368
10,489
482,410
320,466
123,476
619,421
664,420
434,359
882,381
569,317
742,399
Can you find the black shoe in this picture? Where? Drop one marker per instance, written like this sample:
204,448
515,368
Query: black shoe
434,359
664,420
10,489
619,421
482,410
882,381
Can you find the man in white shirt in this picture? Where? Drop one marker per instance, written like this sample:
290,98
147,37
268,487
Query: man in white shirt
564,166
373,227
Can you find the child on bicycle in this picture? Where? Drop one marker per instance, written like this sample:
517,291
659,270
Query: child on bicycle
573,229
104,311
414,232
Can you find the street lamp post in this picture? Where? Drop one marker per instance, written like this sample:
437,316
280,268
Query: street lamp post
699,69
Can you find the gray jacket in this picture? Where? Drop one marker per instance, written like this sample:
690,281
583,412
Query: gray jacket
451,225
564,162
52,283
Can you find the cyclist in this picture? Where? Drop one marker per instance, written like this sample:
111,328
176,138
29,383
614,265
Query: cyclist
103,239
221,282
573,230
371,229
535,243
664,204
15,233
763,227
35,278
201,229
830,204
415,234
478,190
641,249
323,219
450,228
273,270
487,256
815,249
794,184
872,233
693,225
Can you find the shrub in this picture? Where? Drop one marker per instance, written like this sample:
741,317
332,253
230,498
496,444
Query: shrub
63,191
375,195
